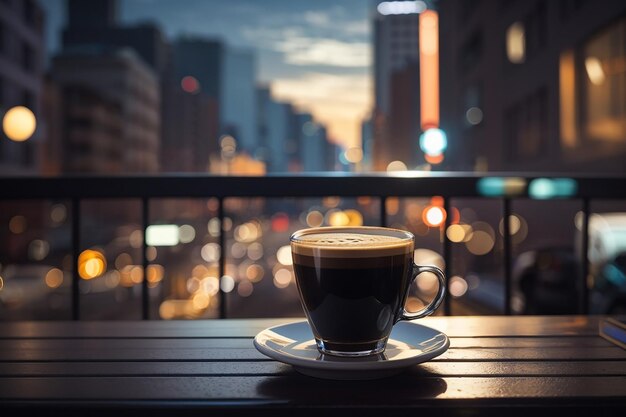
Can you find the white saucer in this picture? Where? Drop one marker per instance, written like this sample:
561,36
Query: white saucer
409,344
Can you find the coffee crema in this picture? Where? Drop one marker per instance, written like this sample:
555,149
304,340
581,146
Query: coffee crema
350,245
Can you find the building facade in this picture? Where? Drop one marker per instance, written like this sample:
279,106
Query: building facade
238,111
120,77
21,77
396,89
534,85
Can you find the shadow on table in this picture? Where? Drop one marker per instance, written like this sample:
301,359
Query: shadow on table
400,389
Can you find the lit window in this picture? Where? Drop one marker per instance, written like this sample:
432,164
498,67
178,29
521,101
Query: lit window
516,43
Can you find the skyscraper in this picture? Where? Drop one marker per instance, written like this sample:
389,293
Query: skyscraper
396,70
238,104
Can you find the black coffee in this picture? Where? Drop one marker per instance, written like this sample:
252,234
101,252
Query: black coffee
353,294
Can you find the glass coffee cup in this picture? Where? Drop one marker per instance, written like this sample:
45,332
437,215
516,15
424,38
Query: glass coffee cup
353,284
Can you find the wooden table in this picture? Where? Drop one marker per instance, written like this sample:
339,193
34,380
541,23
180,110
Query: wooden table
495,366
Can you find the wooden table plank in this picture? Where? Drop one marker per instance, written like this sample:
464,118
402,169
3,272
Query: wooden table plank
301,390
458,369
474,326
242,343
515,363
251,354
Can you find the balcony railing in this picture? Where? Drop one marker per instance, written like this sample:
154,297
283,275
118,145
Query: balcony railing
501,186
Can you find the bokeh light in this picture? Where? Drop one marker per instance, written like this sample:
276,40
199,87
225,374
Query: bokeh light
354,155
433,141
434,159
284,255
54,278
245,288
314,218
458,286
282,278
338,218
355,218
91,264
483,239
186,233
255,251
459,232
395,166
515,225
210,252
17,224
227,283
38,249
58,213
280,222
434,216
474,115
213,227
19,123
190,84
255,273
155,273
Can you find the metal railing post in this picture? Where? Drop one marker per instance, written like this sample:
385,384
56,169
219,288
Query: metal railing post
583,301
222,258
75,256
145,222
447,305
506,231
383,211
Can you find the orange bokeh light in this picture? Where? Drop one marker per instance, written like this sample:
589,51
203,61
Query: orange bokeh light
429,68
434,159
433,216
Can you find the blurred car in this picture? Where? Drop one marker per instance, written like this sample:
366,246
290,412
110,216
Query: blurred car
546,281
608,294
607,263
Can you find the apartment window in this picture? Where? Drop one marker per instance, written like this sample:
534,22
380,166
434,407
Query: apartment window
567,8
526,127
28,99
29,12
536,29
2,38
28,57
524,39
604,85
471,52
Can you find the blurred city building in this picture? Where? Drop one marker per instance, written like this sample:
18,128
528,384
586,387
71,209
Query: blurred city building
96,23
313,144
238,98
85,133
21,73
534,85
396,87
120,77
274,125
191,113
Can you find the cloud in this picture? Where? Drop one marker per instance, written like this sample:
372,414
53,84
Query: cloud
339,101
330,37
312,51
302,49
317,18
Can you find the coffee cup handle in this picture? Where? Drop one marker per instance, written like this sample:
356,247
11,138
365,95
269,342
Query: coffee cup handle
434,304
